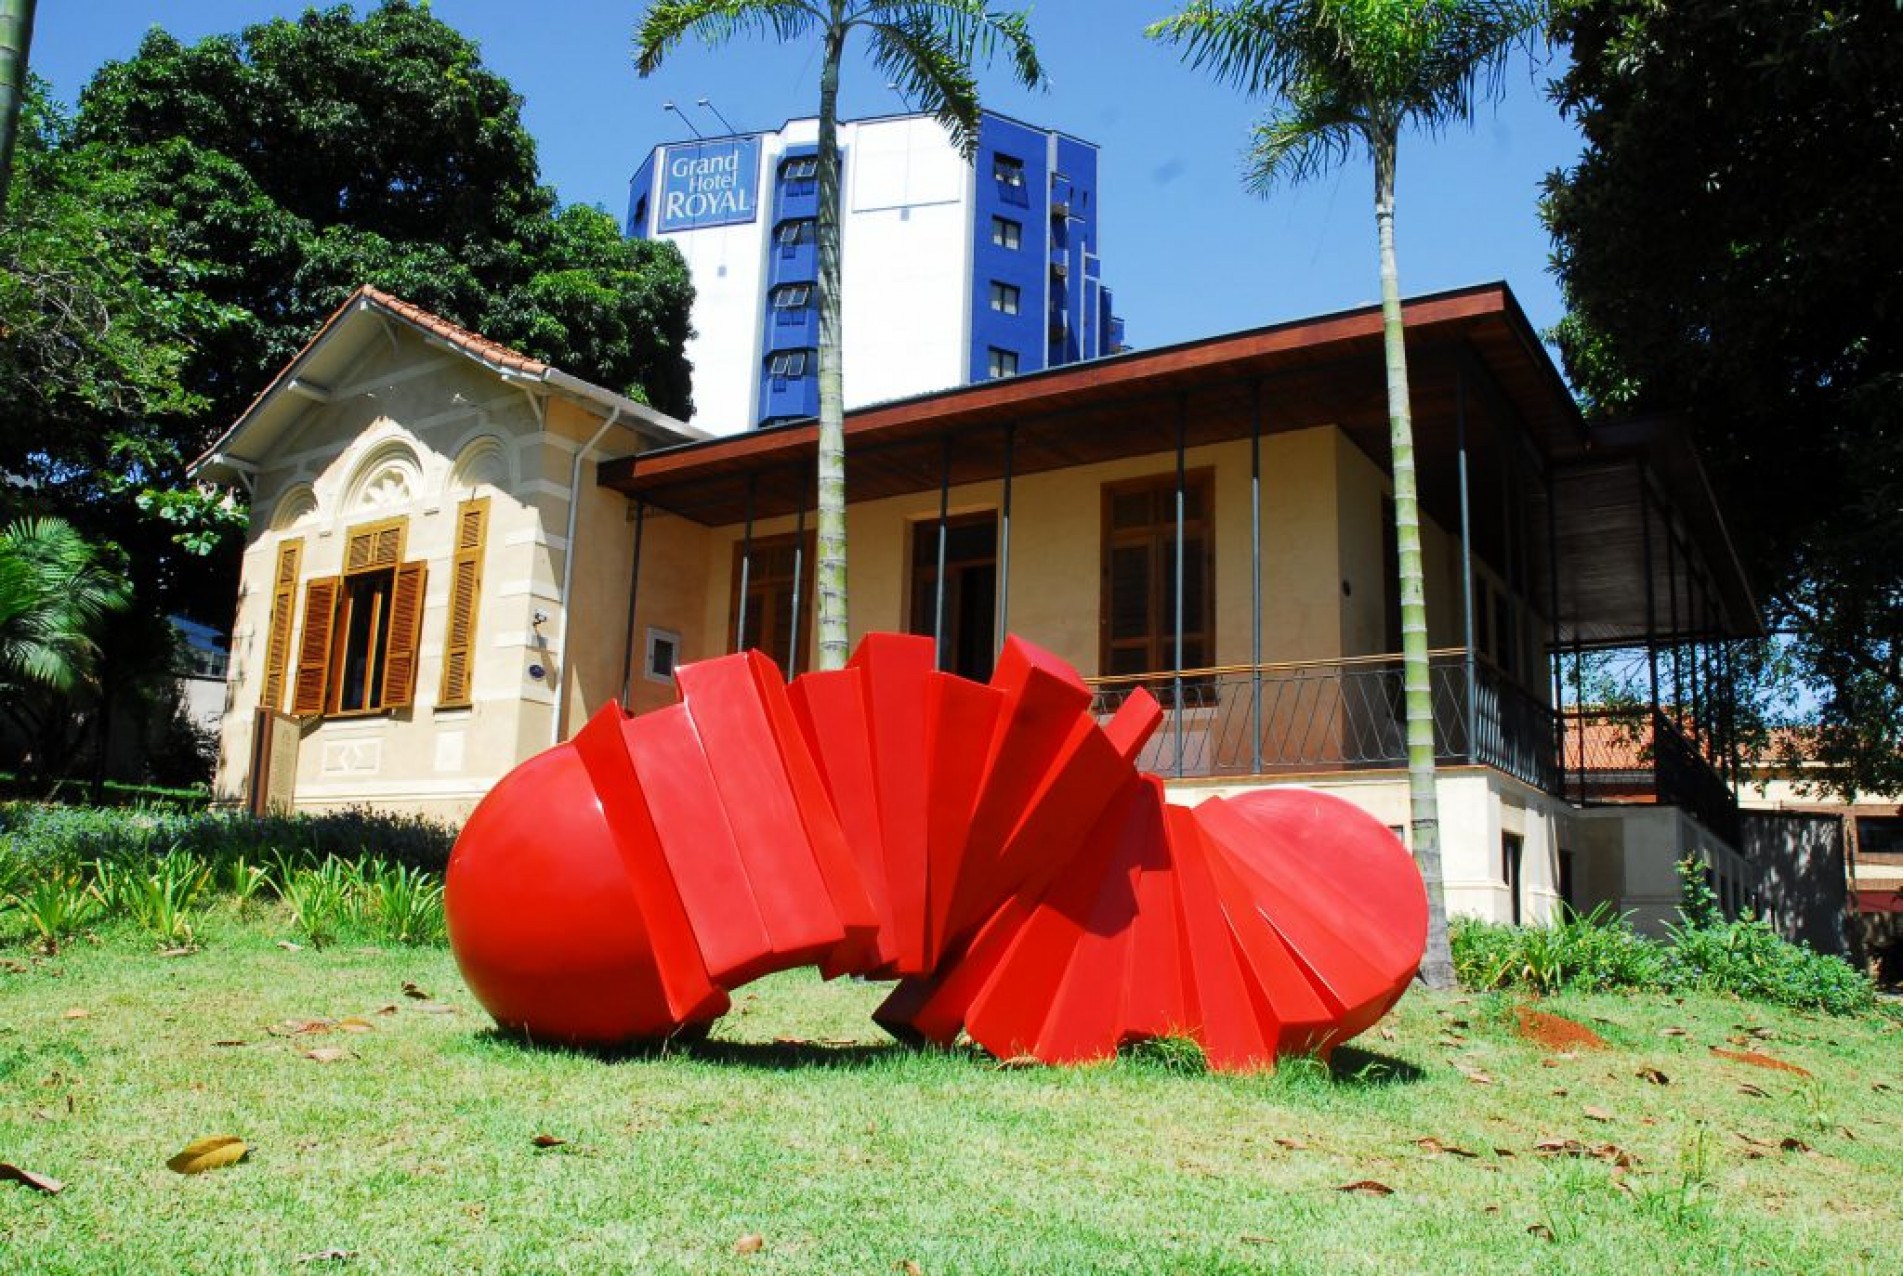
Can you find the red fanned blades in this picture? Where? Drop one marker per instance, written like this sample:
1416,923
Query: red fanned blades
991,847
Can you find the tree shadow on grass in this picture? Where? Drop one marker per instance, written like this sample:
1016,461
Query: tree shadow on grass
1355,1068
788,1055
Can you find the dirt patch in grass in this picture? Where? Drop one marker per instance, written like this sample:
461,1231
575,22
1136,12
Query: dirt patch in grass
1554,1032
1758,1060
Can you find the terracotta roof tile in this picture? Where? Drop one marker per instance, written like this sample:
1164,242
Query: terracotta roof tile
491,352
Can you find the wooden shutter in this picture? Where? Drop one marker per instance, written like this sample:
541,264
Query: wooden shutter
465,590
406,629
374,545
277,652
313,653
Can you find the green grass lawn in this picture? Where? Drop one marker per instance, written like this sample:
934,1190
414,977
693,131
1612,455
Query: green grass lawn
800,1124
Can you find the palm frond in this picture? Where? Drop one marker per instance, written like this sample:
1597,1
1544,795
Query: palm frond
1295,146
667,22
53,592
922,60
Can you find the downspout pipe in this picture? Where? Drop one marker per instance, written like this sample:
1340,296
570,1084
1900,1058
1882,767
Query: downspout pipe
568,576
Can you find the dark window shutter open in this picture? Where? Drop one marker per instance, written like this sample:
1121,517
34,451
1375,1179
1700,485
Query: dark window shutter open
406,631
313,653
465,591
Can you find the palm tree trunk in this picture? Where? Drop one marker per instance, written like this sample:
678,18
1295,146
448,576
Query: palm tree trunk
1437,967
834,632
16,36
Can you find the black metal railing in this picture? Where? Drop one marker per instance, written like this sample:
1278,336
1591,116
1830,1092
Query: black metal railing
1336,715
1637,753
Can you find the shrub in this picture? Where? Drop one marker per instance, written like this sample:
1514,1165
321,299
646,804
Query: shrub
1593,952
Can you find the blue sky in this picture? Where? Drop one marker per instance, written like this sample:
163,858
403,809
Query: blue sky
1186,250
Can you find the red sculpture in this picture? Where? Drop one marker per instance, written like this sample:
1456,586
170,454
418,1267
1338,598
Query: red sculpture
992,847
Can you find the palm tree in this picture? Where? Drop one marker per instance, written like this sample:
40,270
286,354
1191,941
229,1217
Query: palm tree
53,593
16,35
1343,73
927,48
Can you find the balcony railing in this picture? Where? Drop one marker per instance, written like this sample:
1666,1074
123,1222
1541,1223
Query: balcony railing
1639,754
1335,715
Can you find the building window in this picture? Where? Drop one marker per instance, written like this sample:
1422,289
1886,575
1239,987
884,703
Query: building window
772,566
1008,170
1138,590
663,653
1006,233
792,296
358,653
1512,852
787,364
1000,363
1004,299
801,168
793,234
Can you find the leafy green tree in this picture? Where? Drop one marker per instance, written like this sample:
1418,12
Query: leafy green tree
54,593
1727,249
1344,74
927,47
300,159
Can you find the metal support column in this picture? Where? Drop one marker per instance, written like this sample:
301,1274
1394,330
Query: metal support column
1176,681
1004,540
746,573
634,587
1651,596
1255,582
799,579
1671,618
1555,653
1472,669
938,587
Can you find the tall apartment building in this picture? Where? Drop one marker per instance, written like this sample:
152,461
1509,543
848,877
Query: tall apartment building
954,272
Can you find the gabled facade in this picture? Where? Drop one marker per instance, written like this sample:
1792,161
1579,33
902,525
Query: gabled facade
409,595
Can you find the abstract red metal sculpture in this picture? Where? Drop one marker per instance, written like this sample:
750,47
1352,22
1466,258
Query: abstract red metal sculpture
991,847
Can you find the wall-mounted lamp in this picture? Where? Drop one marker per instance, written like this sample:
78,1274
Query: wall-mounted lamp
669,106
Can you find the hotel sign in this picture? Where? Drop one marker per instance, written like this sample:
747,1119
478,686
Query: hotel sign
710,184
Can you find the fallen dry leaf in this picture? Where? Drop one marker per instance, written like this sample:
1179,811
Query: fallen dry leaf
209,1153
907,1267
413,992
1653,1075
185,950
289,947
1790,1144
1597,1114
1387,1034
751,1243
77,1012
1435,1147
1847,1132
434,1008
328,1256
385,1010
1881,1087
38,1182
1474,1075
1017,1062
839,1041
1542,1231
1560,1147
356,1023
1366,1187
230,1041
1673,1032
326,1054
547,1141
1293,1145
1755,1092
1759,1060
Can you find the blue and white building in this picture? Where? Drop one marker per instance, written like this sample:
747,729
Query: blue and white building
955,272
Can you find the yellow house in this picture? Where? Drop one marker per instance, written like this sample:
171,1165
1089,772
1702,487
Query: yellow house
411,620
1211,521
